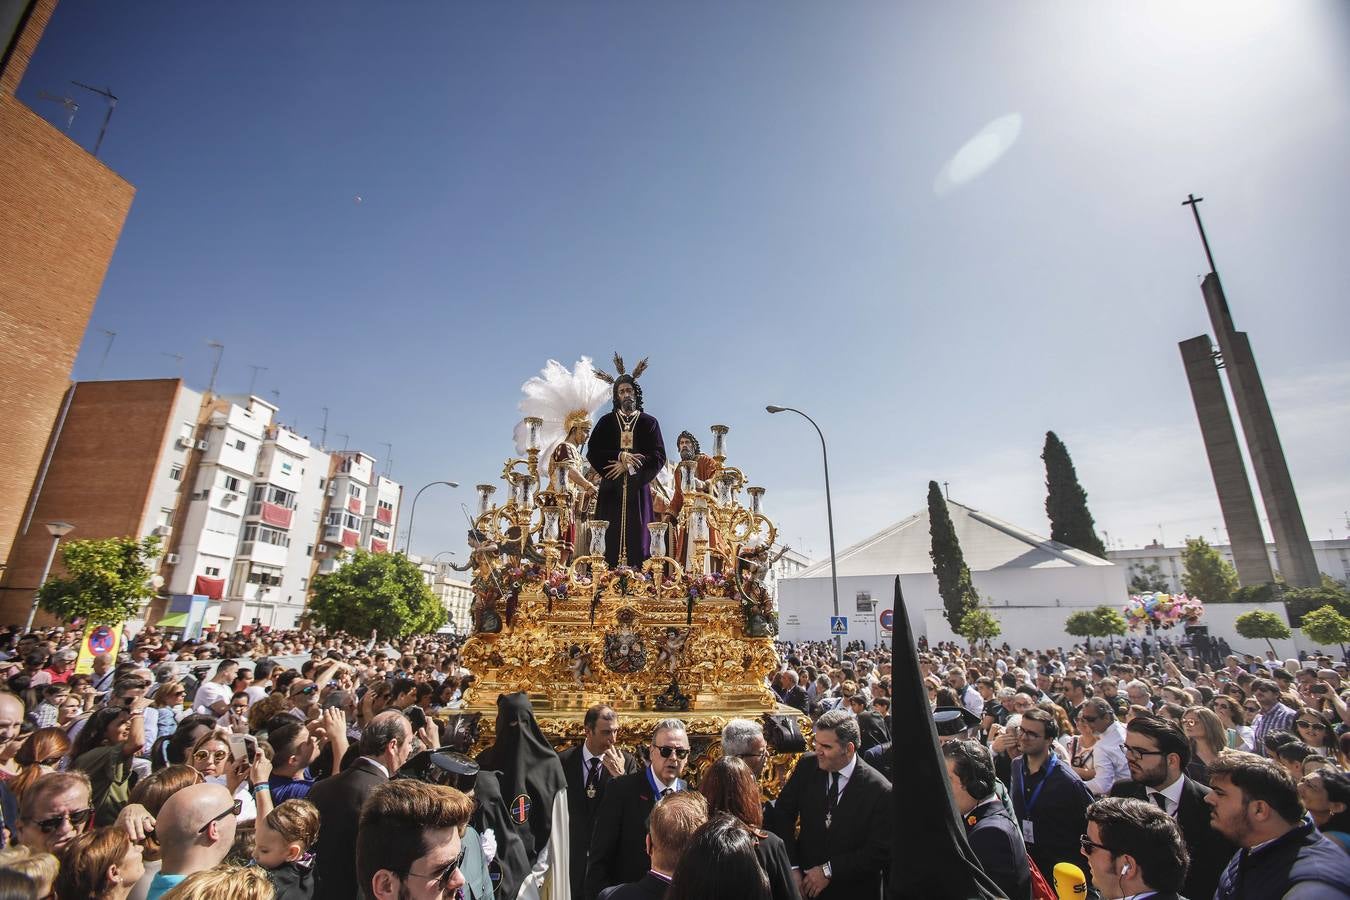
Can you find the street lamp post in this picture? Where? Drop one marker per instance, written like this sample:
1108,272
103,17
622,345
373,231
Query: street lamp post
829,518
57,530
412,513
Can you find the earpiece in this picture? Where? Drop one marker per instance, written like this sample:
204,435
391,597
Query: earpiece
1124,870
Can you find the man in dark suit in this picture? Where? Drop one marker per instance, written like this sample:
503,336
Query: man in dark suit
670,829
1050,801
384,747
1157,752
619,840
843,806
1133,849
995,839
589,768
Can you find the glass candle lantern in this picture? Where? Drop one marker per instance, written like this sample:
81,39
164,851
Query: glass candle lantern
532,425
726,489
657,531
526,487
756,500
598,529
485,492
560,478
698,523
551,523
687,476
719,433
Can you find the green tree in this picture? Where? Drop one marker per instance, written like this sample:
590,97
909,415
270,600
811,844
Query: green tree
1207,575
1148,579
380,591
949,563
1327,626
1261,624
1298,602
1100,621
1066,501
107,580
1265,592
979,625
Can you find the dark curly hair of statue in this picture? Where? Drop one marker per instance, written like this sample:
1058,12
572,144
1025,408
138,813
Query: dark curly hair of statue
693,440
637,390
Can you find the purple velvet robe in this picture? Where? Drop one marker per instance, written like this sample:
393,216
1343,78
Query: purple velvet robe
603,449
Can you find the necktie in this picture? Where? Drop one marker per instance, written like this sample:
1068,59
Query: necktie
593,778
1161,801
831,798
667,792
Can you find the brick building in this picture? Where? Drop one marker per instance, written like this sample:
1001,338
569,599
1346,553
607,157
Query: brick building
61,214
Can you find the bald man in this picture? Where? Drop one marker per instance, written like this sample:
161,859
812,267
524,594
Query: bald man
195,830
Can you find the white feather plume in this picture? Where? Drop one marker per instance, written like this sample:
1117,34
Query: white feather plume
552,395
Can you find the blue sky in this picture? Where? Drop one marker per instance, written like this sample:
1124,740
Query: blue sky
744,192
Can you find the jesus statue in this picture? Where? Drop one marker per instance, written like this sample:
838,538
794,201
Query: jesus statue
627,451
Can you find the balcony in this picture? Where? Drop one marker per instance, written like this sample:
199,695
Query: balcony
384,516
276,514
378,546
350,538
354,506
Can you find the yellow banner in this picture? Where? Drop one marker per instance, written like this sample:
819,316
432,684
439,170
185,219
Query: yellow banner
97,639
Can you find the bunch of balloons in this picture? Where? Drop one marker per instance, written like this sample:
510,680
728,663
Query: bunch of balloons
1162,610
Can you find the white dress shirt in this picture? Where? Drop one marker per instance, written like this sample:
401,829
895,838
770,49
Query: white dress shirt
1108,760
1171,793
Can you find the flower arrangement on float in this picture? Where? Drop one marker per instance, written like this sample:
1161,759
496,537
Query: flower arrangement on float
1159,610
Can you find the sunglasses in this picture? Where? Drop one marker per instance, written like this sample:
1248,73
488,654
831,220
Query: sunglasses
49,761
680,752
215,755
306,690
1316,726
1088,846
442,878
1087,718
232,811
77,819
1252,708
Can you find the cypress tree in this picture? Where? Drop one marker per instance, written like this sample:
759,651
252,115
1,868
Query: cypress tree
1066,501
949,564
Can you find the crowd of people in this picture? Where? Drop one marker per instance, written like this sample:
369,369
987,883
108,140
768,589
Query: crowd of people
186,769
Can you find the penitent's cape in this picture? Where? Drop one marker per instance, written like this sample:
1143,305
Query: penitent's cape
930,856
528,772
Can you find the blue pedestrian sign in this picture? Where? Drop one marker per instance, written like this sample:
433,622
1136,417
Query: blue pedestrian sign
838,624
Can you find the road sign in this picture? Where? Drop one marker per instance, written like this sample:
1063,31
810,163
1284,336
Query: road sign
887,619
838,624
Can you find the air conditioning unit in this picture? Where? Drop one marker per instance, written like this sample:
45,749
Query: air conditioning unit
203,445
162,530
183,443
228,498
200,495
332,491
322,548
172,559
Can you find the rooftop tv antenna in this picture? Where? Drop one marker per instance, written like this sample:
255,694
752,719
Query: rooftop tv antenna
112,336
345,439
323,431
388,457
107,94
215,367
68,102
178,358
253,379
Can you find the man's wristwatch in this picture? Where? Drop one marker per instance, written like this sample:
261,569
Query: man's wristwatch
826,870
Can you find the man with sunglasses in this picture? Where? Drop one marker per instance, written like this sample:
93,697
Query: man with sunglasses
1108,755
1133,850
195,829
409,843
1274,715
54,810
1157,752
618,853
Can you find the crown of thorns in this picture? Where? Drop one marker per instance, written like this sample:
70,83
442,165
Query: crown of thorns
619,367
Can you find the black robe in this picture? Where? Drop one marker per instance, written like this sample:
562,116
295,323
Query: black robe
603,449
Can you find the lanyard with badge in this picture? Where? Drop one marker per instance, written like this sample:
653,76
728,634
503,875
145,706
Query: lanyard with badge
1029,803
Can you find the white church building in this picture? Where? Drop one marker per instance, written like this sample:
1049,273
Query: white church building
1030,583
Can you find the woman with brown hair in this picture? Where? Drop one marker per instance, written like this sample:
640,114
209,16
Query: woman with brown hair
1208,739
729,787
1237,733
211,757
102,864
1313,728
40,754
274,704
